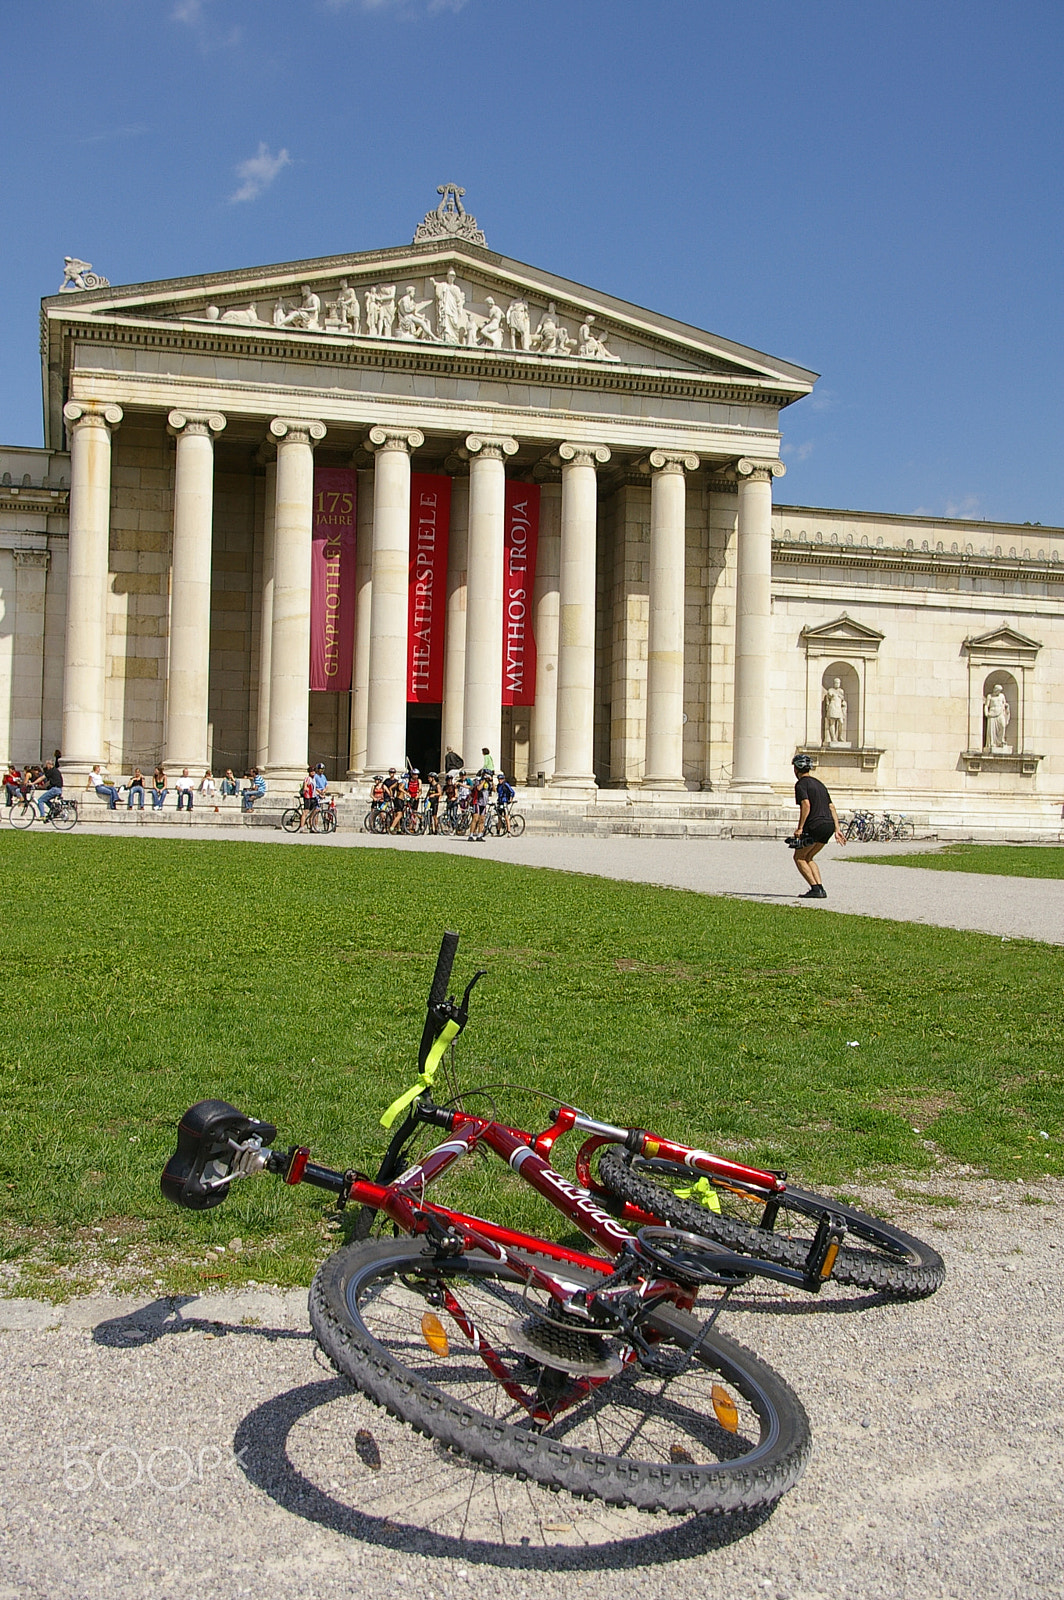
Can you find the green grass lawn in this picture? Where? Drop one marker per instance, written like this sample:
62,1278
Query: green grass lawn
1004,860
141,975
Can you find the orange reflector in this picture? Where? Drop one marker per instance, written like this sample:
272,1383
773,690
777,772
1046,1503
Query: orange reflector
433,1334
829,1260
724,1406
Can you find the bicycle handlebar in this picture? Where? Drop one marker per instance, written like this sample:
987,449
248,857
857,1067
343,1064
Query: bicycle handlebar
444,962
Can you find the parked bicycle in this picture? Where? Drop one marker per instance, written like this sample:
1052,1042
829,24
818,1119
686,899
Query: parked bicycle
60,812
861,827
320,818
892,828
601,1374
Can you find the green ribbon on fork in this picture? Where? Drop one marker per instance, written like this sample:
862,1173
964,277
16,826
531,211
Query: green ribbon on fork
426,1076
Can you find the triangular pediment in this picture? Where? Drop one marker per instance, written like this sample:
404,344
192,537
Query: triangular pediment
1002,642
445,296
842,635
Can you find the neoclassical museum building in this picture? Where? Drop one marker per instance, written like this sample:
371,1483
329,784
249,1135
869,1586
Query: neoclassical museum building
362,509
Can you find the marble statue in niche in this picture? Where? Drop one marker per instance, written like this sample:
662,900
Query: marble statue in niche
998,714
593,346
412,325
519,325
380,311
834,713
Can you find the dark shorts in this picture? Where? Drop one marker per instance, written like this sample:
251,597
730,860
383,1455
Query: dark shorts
818,833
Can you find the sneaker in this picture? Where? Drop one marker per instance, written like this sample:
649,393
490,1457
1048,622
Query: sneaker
817,892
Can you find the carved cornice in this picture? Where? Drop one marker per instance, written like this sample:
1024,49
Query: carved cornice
31,558
90,414
750,470
294,430
490,449
891,559
35,499
720,485
406,439
450,361
204,426
583,455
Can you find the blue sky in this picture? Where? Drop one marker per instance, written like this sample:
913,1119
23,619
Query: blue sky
873,191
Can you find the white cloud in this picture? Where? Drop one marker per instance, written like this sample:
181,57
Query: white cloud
966,506
798,452
193,13
822,399
258,172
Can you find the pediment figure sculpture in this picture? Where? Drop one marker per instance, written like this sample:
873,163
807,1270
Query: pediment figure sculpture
843,636
79,275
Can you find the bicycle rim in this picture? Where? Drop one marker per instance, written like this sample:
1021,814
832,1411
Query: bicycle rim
875,1255
22,816
64,817
290,820
722,1433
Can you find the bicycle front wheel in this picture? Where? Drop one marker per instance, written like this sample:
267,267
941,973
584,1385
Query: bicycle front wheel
328,821
722,1433
23,813
874,1255
290,819
64,816
517,824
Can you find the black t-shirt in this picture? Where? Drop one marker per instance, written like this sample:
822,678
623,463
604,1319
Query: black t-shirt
452,762
811,789
53,778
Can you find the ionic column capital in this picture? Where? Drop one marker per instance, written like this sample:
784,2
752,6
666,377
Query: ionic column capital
295,430
31,558
665,461
583,455
405,439
91,414
206,424
759,471
493,449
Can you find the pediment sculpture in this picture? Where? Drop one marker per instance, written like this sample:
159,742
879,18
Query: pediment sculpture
450,220
79,275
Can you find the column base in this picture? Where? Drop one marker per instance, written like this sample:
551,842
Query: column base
574,785
750,786
288,777
663,783
173,766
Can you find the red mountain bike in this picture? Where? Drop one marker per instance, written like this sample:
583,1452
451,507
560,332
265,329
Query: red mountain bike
586,1372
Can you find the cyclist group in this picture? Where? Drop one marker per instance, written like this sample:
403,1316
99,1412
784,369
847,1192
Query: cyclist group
40,784
446,802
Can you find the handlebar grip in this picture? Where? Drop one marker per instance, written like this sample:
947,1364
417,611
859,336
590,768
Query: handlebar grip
444,962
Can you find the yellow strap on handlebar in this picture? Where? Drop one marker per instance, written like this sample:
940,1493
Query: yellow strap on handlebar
449,1031
702,1191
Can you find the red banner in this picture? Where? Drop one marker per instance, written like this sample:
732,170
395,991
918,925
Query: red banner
520,542
332,579
430,525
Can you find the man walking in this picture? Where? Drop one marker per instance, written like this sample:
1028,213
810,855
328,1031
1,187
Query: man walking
818,821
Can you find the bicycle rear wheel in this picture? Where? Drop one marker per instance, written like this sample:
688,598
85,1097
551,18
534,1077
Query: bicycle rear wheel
64,816
722,1433
328,820
875,1255
23,813
517,824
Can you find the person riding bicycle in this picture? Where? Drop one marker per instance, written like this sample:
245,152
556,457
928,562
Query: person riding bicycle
51,786
818,821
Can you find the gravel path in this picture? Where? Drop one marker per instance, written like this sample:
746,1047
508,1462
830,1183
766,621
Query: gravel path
204,1449
750,869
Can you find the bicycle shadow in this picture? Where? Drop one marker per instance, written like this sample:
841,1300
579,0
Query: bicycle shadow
163,1318
260,1445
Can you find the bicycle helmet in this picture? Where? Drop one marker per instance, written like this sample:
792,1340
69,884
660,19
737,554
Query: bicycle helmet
802,763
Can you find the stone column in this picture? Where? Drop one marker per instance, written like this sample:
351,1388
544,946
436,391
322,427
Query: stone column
290,628
386,707
27,654
269,531
356,749
574,766
663,767
190,590
753,627
482,704
454,633
89,428
544,719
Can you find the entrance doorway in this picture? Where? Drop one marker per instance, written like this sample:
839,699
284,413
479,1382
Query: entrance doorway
424,726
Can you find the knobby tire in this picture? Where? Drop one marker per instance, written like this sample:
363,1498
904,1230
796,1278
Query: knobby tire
366,1304
875,1255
